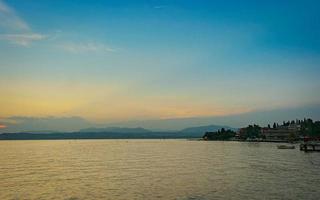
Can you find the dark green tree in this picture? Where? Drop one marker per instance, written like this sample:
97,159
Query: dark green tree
274,125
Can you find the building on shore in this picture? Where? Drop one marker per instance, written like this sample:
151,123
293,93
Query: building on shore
290,132
241,134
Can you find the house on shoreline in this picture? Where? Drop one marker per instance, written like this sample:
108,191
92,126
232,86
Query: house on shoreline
284,132
289,132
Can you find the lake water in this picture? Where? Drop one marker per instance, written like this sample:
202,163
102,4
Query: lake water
155,169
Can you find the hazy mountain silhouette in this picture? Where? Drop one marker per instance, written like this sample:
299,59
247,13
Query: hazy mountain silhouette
203,129
74,124
114,133
98,135
196,129
262,117
41,131
115,130
44,124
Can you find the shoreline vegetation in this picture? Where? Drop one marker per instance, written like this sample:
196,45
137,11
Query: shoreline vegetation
290,131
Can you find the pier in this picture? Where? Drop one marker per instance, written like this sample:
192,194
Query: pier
307,147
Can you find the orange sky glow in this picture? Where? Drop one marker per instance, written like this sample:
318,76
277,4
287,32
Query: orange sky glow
3,126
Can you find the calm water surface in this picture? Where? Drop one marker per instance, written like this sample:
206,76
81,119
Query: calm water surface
155,169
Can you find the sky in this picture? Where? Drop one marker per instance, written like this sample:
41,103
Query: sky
118,61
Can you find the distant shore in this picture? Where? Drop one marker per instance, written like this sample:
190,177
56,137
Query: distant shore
99,135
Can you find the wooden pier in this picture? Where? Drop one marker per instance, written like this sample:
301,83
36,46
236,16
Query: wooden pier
307,147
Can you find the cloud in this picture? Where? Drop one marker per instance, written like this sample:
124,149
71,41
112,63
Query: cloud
15,29
86,47
24,39
10,20
160,6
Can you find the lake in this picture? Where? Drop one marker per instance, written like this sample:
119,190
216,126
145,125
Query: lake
155,169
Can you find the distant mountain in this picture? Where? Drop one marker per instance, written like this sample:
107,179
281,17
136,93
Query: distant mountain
261,117
197,129
115,130
113,133
95,135
72,124
41,131
43,124
203,129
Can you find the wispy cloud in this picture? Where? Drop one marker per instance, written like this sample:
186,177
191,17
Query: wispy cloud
10,20
24,39
16,30
159,6
86,48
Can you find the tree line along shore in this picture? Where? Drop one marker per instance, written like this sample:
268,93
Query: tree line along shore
290,131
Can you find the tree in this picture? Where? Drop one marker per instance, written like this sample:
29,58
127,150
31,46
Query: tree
219,135
274,125
252,131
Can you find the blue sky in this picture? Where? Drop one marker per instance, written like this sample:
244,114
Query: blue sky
111,61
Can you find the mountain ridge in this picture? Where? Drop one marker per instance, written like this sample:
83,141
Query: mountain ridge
193,129
116,130
115,133
205,128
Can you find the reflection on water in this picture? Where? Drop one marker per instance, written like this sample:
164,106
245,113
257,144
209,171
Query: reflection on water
155,169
